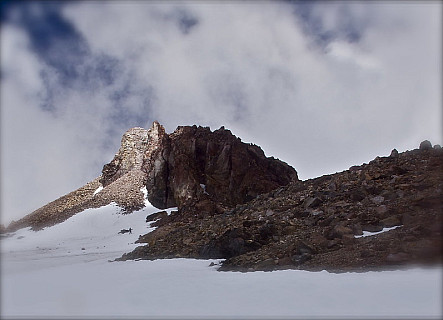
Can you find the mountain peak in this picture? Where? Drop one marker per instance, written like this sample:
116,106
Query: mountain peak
156,130
137,144
193,168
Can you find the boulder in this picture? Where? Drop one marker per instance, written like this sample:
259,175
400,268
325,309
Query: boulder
425,145
312,202
391,221
394,153
339,231
232,243
156,215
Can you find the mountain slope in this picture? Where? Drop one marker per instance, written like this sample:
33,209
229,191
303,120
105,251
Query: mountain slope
236,204
383,214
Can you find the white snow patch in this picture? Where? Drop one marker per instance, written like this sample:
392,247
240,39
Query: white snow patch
148,204
169,210
368,234
97,190
145,193
95,230
203,186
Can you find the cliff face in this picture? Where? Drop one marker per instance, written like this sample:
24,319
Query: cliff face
194,169
199,170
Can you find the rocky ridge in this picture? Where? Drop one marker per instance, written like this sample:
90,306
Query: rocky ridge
319,223
193,168
123,188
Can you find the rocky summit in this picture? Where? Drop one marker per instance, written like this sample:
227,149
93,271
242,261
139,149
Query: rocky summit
252,211
194,169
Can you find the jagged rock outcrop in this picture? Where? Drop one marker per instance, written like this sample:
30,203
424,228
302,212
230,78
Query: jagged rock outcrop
124,177
194,169
317,224
203,171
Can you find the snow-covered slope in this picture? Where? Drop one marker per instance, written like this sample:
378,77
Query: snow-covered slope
87,236
65,270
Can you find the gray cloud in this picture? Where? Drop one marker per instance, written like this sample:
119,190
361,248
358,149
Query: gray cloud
323,87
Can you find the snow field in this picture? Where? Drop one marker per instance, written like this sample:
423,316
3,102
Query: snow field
185,287
64,270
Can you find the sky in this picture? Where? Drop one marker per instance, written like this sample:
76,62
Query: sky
320,85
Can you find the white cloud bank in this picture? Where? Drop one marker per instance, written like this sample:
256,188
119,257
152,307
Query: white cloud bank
248,66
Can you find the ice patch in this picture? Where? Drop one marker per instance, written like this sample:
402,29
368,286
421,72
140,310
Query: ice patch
149,205
203,186
145,193
368,234
169,210
97,190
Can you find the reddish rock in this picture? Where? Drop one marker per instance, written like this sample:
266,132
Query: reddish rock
195,168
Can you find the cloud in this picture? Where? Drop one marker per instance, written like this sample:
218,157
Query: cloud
322,86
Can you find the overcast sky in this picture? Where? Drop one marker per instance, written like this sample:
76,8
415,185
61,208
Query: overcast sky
320,85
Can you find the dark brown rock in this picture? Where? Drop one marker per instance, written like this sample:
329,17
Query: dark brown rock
394,153
391,221
348,239
155,216
425,145
372,227
340,230
197,167
357,230
232,243
312,202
